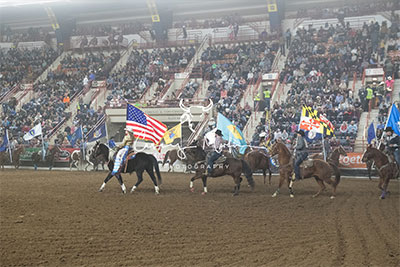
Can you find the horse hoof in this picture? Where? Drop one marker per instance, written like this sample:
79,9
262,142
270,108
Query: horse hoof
332,197
157,193
291,196
204,193
192,189
381,197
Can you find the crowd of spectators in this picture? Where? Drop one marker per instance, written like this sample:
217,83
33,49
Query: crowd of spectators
318,70
107,30
30,35
23,65
230,69
145,67
52,97
361,9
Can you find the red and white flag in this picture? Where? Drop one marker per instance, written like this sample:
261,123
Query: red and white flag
144,126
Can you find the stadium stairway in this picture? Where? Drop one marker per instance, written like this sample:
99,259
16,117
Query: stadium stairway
365,120
179,84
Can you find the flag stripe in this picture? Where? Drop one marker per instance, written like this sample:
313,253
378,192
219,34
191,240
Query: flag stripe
144,126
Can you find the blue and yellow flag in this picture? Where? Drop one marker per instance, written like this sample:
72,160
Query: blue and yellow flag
173,133
231,133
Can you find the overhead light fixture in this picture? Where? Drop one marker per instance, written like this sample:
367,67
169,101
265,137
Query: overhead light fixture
14,3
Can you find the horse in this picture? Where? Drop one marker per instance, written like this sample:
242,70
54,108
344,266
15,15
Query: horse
77,159
386,170
139,163
320,170
190,155
258,160
333,157
51,155
4,157
371,163
230,166
95,160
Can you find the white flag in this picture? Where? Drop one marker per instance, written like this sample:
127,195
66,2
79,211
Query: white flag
35,131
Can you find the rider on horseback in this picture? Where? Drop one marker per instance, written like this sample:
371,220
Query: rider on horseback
124,148
218,145
392,144
300,153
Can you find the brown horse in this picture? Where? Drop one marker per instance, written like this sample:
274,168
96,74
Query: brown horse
386,170
190,155
230,166
4,157
333,157
320,170
258,160
51,155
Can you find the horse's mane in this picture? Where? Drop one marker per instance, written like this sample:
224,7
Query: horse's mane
283,147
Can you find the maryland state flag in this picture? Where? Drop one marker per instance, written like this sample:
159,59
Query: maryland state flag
315,124
173,133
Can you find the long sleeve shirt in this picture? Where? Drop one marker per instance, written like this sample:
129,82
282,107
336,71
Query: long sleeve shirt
127,141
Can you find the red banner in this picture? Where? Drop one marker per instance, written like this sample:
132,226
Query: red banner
352,161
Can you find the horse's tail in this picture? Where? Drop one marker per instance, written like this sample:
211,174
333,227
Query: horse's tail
247,172
165,158
336,171
157,169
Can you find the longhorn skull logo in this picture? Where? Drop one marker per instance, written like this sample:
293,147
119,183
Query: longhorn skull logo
187,115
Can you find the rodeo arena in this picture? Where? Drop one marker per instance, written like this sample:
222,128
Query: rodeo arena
192,133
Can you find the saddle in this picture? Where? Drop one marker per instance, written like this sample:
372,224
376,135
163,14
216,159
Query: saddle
220,160
131,155
308,163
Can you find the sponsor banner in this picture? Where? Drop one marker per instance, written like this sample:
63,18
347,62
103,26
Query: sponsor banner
63,156
352,161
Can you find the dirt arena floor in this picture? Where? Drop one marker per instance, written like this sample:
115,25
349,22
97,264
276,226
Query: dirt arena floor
58,218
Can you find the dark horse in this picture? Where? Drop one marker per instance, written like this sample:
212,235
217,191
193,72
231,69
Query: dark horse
333,158
195,154
230,166
258,160
4,157
140,163
386,170
51,155
320,170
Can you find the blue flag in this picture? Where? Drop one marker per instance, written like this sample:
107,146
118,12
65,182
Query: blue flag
394,119
4,145
97,133
76,135
231,133
371,133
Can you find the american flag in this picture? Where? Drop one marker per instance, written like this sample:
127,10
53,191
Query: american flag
144,126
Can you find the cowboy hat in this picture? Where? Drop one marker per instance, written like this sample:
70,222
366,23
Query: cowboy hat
218,132
128,130
388,129
263,134
301,132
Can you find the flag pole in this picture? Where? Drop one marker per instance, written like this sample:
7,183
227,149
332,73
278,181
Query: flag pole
41,135
83,143
323,146
9,147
